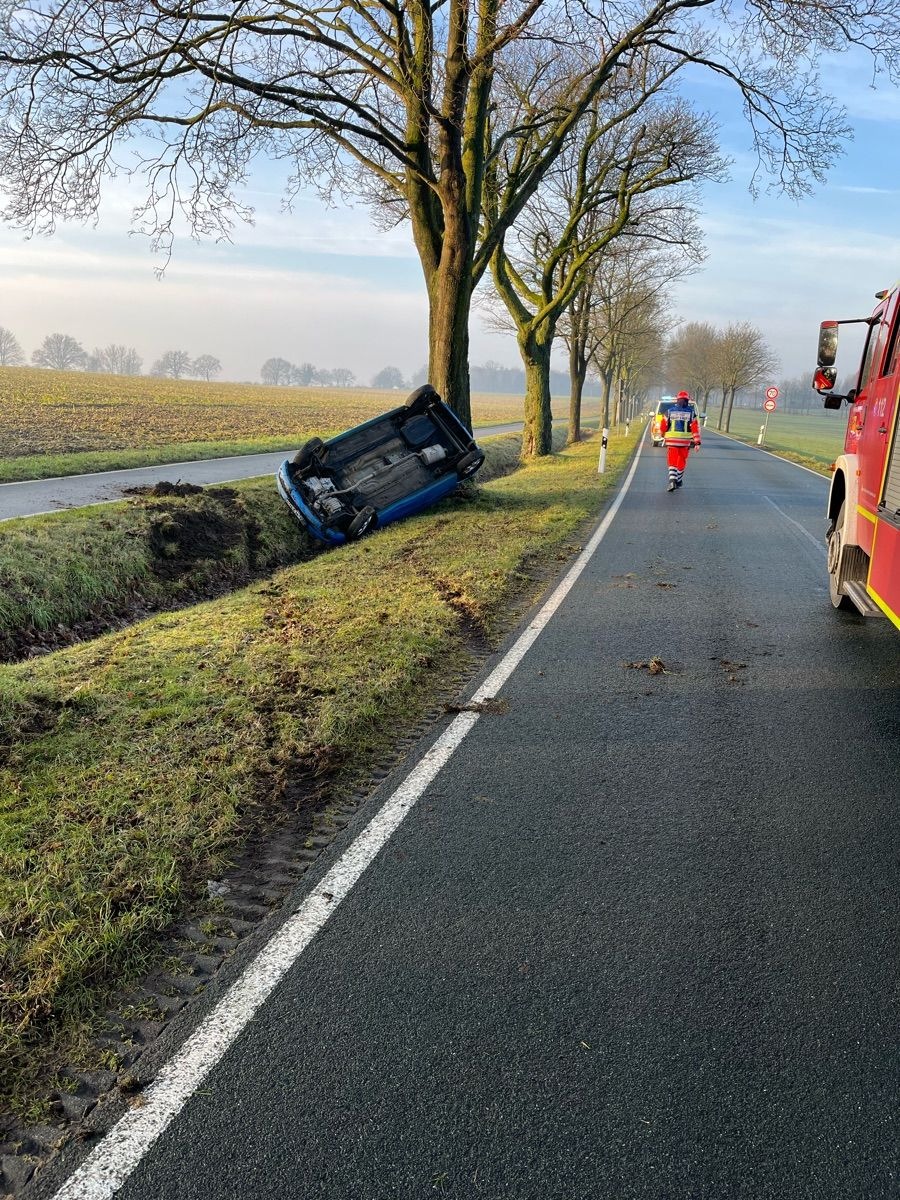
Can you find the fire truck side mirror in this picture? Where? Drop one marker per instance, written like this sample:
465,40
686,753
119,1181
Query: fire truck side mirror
828,343
824,378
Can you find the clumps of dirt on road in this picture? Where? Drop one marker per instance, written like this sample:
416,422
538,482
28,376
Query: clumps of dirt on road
653,666
165,488
731,670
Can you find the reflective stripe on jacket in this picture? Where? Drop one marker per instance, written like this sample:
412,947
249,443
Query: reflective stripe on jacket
680,425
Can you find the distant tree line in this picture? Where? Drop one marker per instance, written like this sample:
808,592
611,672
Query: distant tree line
62,352
731,368
280,372
490,377
510,381
708,361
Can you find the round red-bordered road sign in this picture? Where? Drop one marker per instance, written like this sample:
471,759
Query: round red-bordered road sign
770,406
771,393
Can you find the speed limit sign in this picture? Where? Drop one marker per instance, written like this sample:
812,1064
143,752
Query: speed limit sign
771,393
770,404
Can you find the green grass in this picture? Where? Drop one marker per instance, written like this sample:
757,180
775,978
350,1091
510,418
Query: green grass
132,768
92,566
76,573
813,440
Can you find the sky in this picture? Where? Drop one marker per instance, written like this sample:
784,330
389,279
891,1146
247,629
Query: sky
322,285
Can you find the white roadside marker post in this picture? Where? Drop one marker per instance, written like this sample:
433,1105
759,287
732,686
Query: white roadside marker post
604,442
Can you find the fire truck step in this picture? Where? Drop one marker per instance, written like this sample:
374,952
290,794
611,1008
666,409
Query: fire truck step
861,598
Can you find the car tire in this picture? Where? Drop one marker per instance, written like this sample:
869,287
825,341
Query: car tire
361,523
469,464
422,398
306,453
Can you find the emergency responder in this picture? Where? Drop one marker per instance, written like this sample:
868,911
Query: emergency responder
681,430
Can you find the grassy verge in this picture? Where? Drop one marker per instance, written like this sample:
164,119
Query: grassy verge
73,574
814,440
134,766
78,573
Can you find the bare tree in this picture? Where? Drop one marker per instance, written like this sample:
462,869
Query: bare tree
174,364
642,358
303,374
343,377
378,99
628,172
275,371
629,316
388,377
130,362
60,352
10,351
115,359
743,359
692,360
206,366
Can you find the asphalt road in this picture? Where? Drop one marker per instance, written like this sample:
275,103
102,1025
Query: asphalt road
32,497
639,938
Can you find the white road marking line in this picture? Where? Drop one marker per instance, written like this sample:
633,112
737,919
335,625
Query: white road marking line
111,1162
796,524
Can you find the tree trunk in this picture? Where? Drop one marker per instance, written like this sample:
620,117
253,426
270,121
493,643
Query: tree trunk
722,408
537,436
605,388
450,295
443,235
577,376
731,392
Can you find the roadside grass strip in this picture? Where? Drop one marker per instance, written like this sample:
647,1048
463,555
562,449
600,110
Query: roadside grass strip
134,767
82,572
88,567
812,440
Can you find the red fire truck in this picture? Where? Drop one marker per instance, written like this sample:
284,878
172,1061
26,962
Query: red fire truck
864,501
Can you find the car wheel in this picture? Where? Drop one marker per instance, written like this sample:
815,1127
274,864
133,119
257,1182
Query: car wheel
307,452
361,523
469,464
422,398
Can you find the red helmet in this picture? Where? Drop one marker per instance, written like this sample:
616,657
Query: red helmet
683,396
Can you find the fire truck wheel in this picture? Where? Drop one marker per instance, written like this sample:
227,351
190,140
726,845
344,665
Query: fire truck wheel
835,543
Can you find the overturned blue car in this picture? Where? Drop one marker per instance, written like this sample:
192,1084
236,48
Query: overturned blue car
390,467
